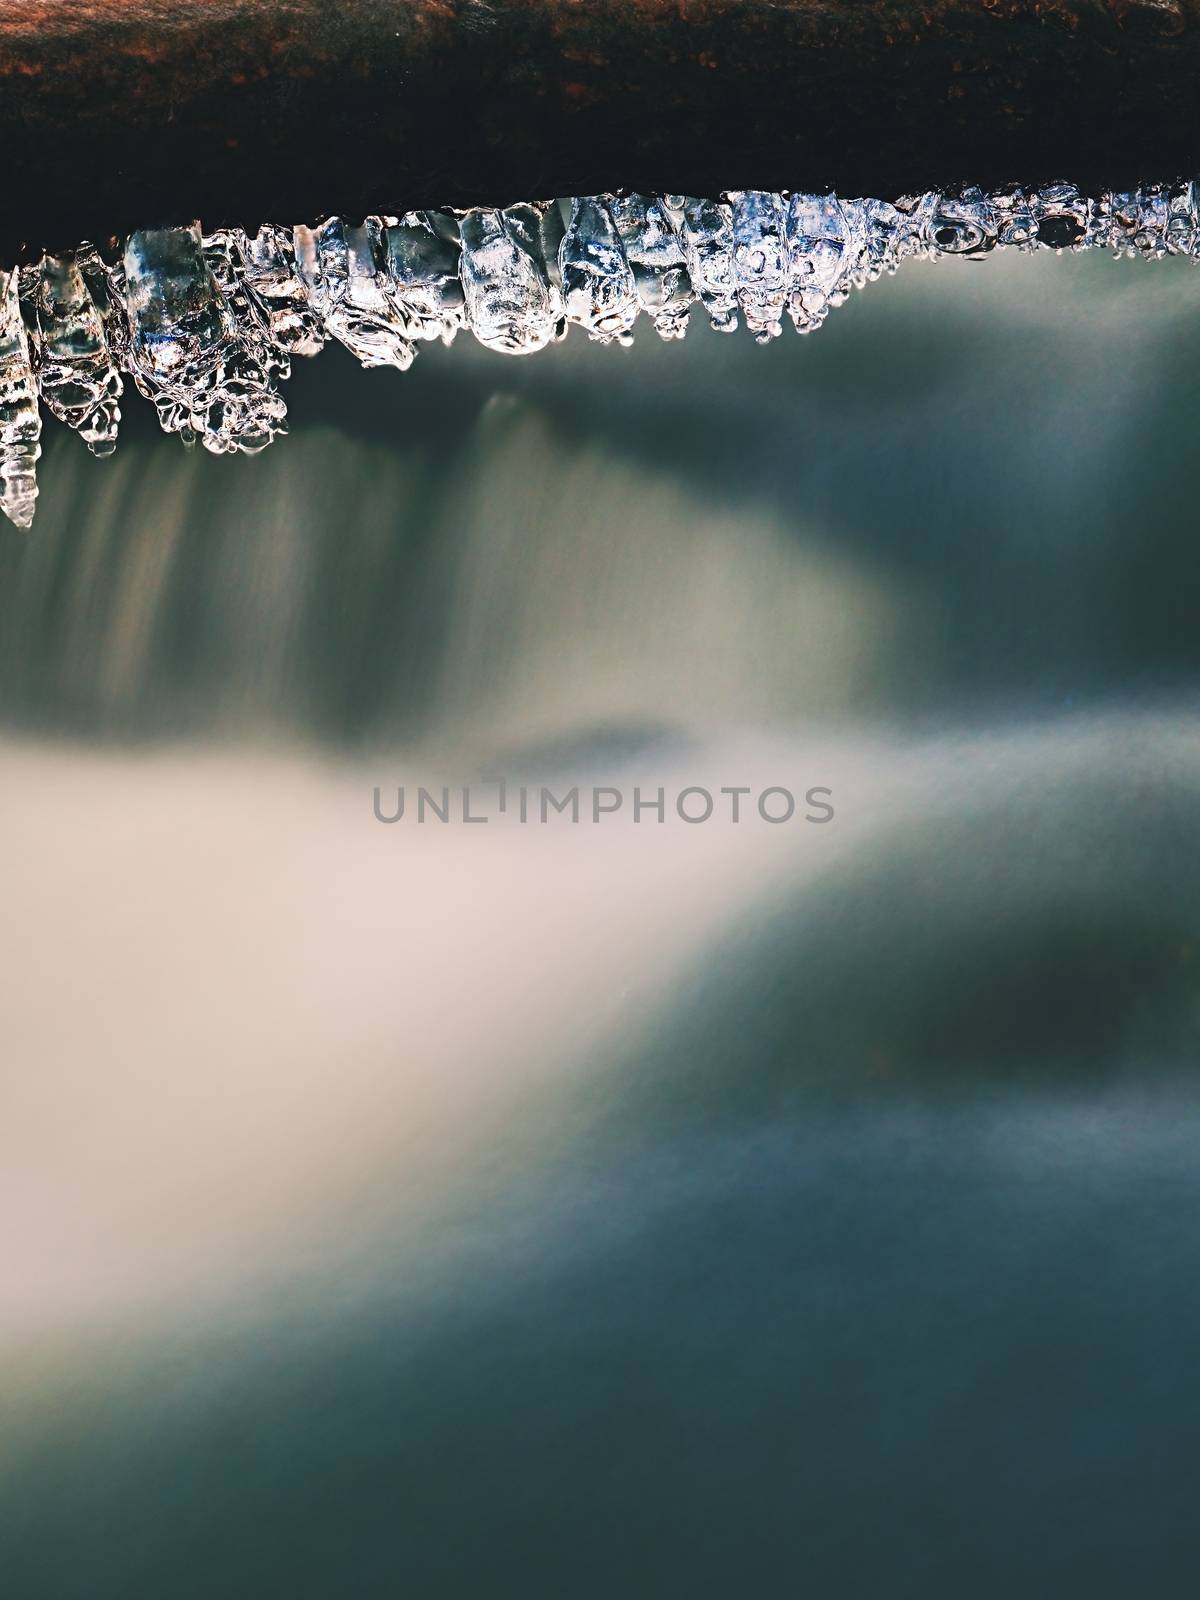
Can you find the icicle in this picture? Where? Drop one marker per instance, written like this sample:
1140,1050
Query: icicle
760,260
655,254
597,280
343,270
424,258
706,229
187,351
1183,220
268,265
511,302
207,326
20,425
822,257
76,375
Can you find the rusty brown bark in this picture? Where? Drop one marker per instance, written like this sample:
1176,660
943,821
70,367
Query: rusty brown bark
115,113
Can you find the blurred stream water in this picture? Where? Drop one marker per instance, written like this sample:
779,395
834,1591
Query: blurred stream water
622,1209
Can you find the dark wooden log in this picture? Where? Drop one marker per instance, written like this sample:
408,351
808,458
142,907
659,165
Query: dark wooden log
119,113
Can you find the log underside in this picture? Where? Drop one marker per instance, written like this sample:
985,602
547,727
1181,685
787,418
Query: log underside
116,114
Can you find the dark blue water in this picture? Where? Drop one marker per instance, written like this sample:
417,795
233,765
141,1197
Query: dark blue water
820,1218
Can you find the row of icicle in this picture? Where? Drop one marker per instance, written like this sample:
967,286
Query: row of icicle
206,325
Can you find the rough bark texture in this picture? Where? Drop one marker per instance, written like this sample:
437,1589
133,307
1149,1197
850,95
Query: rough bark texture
115,113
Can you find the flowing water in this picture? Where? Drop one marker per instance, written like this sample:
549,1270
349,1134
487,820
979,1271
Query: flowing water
618,1207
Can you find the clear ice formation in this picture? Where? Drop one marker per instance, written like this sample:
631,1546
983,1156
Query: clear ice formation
597,281
207,325
510,277
761,268
424,268
20,423
655,255
77,377
343,270
197,344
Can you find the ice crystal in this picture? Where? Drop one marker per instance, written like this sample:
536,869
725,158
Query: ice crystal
269,271
344,271
198,357
706,229
823,253
424,258
1183,220
1016,220
20,424
76,375
655,255
207,325
1133,222
961,225
512,304
597,280
760,260
1061,217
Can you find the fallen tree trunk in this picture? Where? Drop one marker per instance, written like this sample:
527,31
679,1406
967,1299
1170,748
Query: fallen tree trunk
119,113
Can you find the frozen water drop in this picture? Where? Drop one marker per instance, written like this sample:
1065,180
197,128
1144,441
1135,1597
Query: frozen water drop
424,257
597,281
962,225
1183,220
878,237
77,377
344,269
1016,223
760,260
706,229
821,257
1132,222
202,358
223,251
655,256
20,424
1062,217
268,265
178,322
511,303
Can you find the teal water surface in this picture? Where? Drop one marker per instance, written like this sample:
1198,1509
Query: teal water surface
645,1210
